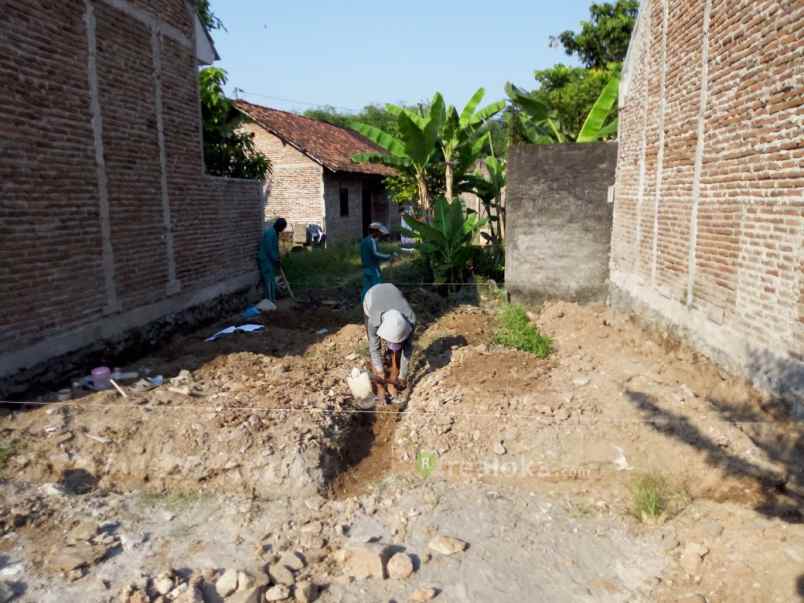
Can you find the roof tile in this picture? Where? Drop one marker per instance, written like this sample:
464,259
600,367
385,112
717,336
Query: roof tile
329,145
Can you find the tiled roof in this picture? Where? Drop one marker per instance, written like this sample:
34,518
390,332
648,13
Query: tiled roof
329,145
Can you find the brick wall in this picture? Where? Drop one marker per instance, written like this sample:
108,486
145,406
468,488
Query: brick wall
709,209
349,228
295,190
106,216
343,228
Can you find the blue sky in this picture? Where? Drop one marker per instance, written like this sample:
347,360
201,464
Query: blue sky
349,53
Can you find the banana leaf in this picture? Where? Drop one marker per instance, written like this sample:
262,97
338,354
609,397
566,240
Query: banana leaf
400,163
487,113
468,112
592,129
534,108
386,141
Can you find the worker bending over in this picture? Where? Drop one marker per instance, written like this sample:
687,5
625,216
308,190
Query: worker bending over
268,257
389,320
372,258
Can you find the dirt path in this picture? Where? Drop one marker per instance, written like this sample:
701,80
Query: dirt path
253,440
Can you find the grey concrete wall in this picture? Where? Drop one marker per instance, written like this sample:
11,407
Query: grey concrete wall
559,221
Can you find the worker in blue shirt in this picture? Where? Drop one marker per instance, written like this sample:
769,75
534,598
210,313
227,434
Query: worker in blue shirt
372,258
268,257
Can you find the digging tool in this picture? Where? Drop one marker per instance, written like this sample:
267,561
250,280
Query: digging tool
287,283
296,301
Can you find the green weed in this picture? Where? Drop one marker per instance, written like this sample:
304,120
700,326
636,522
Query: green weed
516,331
649,497
653,498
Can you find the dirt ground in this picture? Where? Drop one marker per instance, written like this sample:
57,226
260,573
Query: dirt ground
252,448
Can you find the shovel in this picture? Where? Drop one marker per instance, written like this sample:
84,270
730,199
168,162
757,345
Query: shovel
287,284
296,301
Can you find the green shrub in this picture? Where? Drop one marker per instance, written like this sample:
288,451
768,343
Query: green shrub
446,240
516,331
489,262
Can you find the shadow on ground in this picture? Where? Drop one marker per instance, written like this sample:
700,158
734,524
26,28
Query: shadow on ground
777,434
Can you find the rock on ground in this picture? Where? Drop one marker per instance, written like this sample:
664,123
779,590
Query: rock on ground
227,583
447,545
400,566
364,562
280,592
424,594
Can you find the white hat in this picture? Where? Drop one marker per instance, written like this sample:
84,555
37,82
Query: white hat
394,328
379,226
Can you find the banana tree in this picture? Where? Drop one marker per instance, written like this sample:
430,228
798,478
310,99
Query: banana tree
446,240
464,137
594,127
416,147
489,188
537,123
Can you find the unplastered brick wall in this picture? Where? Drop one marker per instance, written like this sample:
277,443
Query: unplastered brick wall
709,198
107,219
295,190
343,228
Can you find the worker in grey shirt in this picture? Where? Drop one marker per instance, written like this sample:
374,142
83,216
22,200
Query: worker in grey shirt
389,318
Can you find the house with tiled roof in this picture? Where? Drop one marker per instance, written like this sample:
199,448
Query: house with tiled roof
314,180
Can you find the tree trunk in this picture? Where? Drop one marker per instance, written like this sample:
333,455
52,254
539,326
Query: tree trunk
424,194
448,178
492,219
501,216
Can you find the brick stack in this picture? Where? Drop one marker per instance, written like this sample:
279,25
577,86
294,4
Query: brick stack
709,208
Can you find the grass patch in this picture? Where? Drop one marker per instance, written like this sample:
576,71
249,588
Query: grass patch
335,266
516,331
340,266
650,497
654,498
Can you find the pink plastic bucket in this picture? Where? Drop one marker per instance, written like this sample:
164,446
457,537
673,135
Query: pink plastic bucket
101,377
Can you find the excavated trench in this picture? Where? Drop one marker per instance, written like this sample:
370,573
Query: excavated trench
266,415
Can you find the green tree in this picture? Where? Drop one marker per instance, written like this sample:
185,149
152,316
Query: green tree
604,38
208,18
446,240
402,188
488,184
465,137
227,151
571,91
536,122
373,115
414,149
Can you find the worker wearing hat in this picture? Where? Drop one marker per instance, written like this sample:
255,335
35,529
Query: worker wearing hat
268,257
372,258
389,320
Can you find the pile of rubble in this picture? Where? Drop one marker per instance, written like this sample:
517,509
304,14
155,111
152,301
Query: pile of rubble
292,575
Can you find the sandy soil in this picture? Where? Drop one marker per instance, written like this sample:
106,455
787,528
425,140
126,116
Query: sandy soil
532,463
